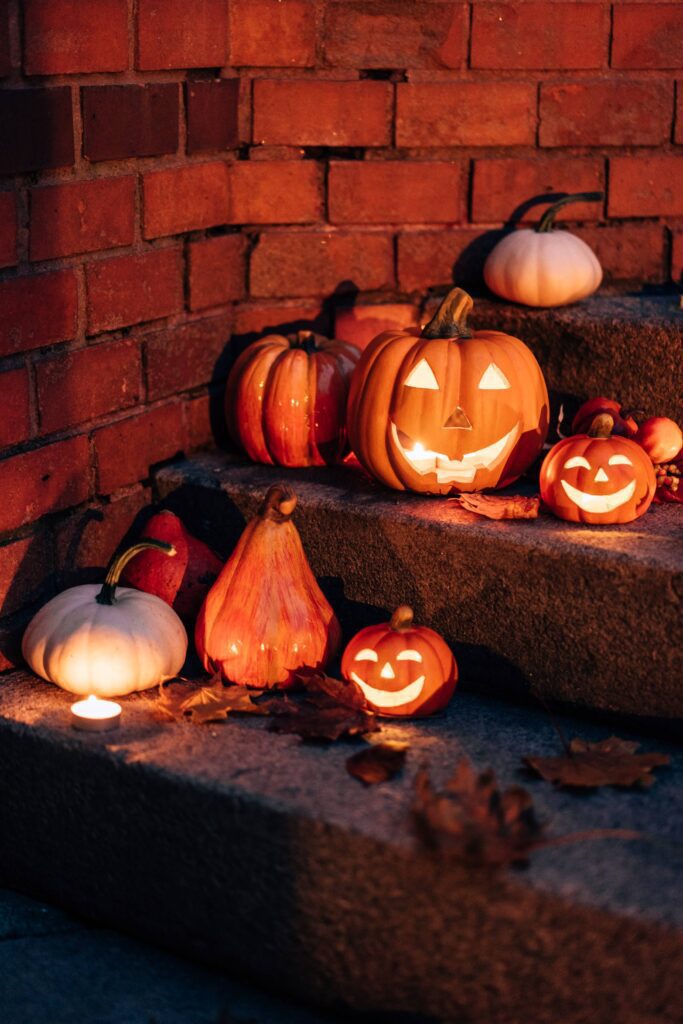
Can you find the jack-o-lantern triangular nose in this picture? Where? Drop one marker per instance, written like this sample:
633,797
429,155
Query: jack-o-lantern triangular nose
458,419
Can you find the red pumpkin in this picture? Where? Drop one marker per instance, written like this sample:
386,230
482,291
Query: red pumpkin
597,478
265,617
624,423
285,401
401,669
661,438
451,410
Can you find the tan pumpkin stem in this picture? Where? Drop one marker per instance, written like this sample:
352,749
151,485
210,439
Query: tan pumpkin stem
279,503
547,221
450,319
601,426
402,618
306,340
119,563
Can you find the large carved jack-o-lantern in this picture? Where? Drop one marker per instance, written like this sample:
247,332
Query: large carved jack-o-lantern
401,669
597,477
451,410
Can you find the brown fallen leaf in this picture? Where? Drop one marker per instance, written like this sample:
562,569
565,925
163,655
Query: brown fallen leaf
377,763
500,506
473,821
341,692
208,703
611,762
325,721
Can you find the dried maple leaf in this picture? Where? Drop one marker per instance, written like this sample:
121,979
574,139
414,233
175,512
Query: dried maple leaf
338,690
377,763
500,506
207,703
326,721
611,762
472,820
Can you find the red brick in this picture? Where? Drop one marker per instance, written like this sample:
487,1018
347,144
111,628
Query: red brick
50,478
320,262
606,113
395,191
82,216
36,128
8,229
267,33
645,186
429,258
24,565
217,270
539,35
5,55
15,421
187,356
186,198
77,386
64,37
178,34
89,537
647,36
130,289
126,450
396,34
677,257
212,114
253,318
198,419
360,324
466,114
633,251
129,120
275,192
308,113
37,311
500,186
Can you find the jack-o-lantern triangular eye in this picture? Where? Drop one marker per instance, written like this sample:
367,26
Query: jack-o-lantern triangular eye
493,379
422,376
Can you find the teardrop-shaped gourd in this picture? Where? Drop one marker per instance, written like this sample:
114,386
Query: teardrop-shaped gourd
544,267
105,640
265,617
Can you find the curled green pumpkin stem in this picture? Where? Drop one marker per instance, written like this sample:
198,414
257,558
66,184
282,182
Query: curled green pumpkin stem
278,504
450,319
402,618
119,563
601,426
547,221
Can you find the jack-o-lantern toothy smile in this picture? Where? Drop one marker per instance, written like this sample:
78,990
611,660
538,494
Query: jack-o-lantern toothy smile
448,470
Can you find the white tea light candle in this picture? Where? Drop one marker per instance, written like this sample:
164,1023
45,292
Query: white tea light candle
95,715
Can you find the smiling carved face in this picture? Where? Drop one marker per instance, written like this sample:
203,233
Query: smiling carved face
441,414
401,669
598,480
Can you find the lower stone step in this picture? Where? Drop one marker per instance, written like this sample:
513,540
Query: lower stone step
258,854
588,616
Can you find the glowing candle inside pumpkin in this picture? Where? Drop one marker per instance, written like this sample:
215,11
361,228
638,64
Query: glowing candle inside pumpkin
95,715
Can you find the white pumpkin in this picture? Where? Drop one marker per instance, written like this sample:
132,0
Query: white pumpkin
544,267
106,641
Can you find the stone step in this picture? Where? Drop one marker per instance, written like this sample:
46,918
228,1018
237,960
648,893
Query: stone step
586,616
628,347
258,854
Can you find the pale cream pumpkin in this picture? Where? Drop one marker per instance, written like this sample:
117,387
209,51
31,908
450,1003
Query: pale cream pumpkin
106,641
543,266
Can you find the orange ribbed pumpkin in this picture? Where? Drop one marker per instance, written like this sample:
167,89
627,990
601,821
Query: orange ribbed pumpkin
450,410
285,401
265,617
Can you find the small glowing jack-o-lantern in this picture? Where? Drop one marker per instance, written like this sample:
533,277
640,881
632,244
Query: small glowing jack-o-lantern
597,478
401,669
450,410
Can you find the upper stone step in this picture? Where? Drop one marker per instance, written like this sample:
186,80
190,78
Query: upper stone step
585,615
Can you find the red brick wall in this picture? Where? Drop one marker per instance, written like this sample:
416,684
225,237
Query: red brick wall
174,171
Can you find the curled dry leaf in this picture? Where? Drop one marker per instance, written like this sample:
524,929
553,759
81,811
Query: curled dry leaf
338,690
611,762
325,720
501,506
208,703
474,821
377,763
